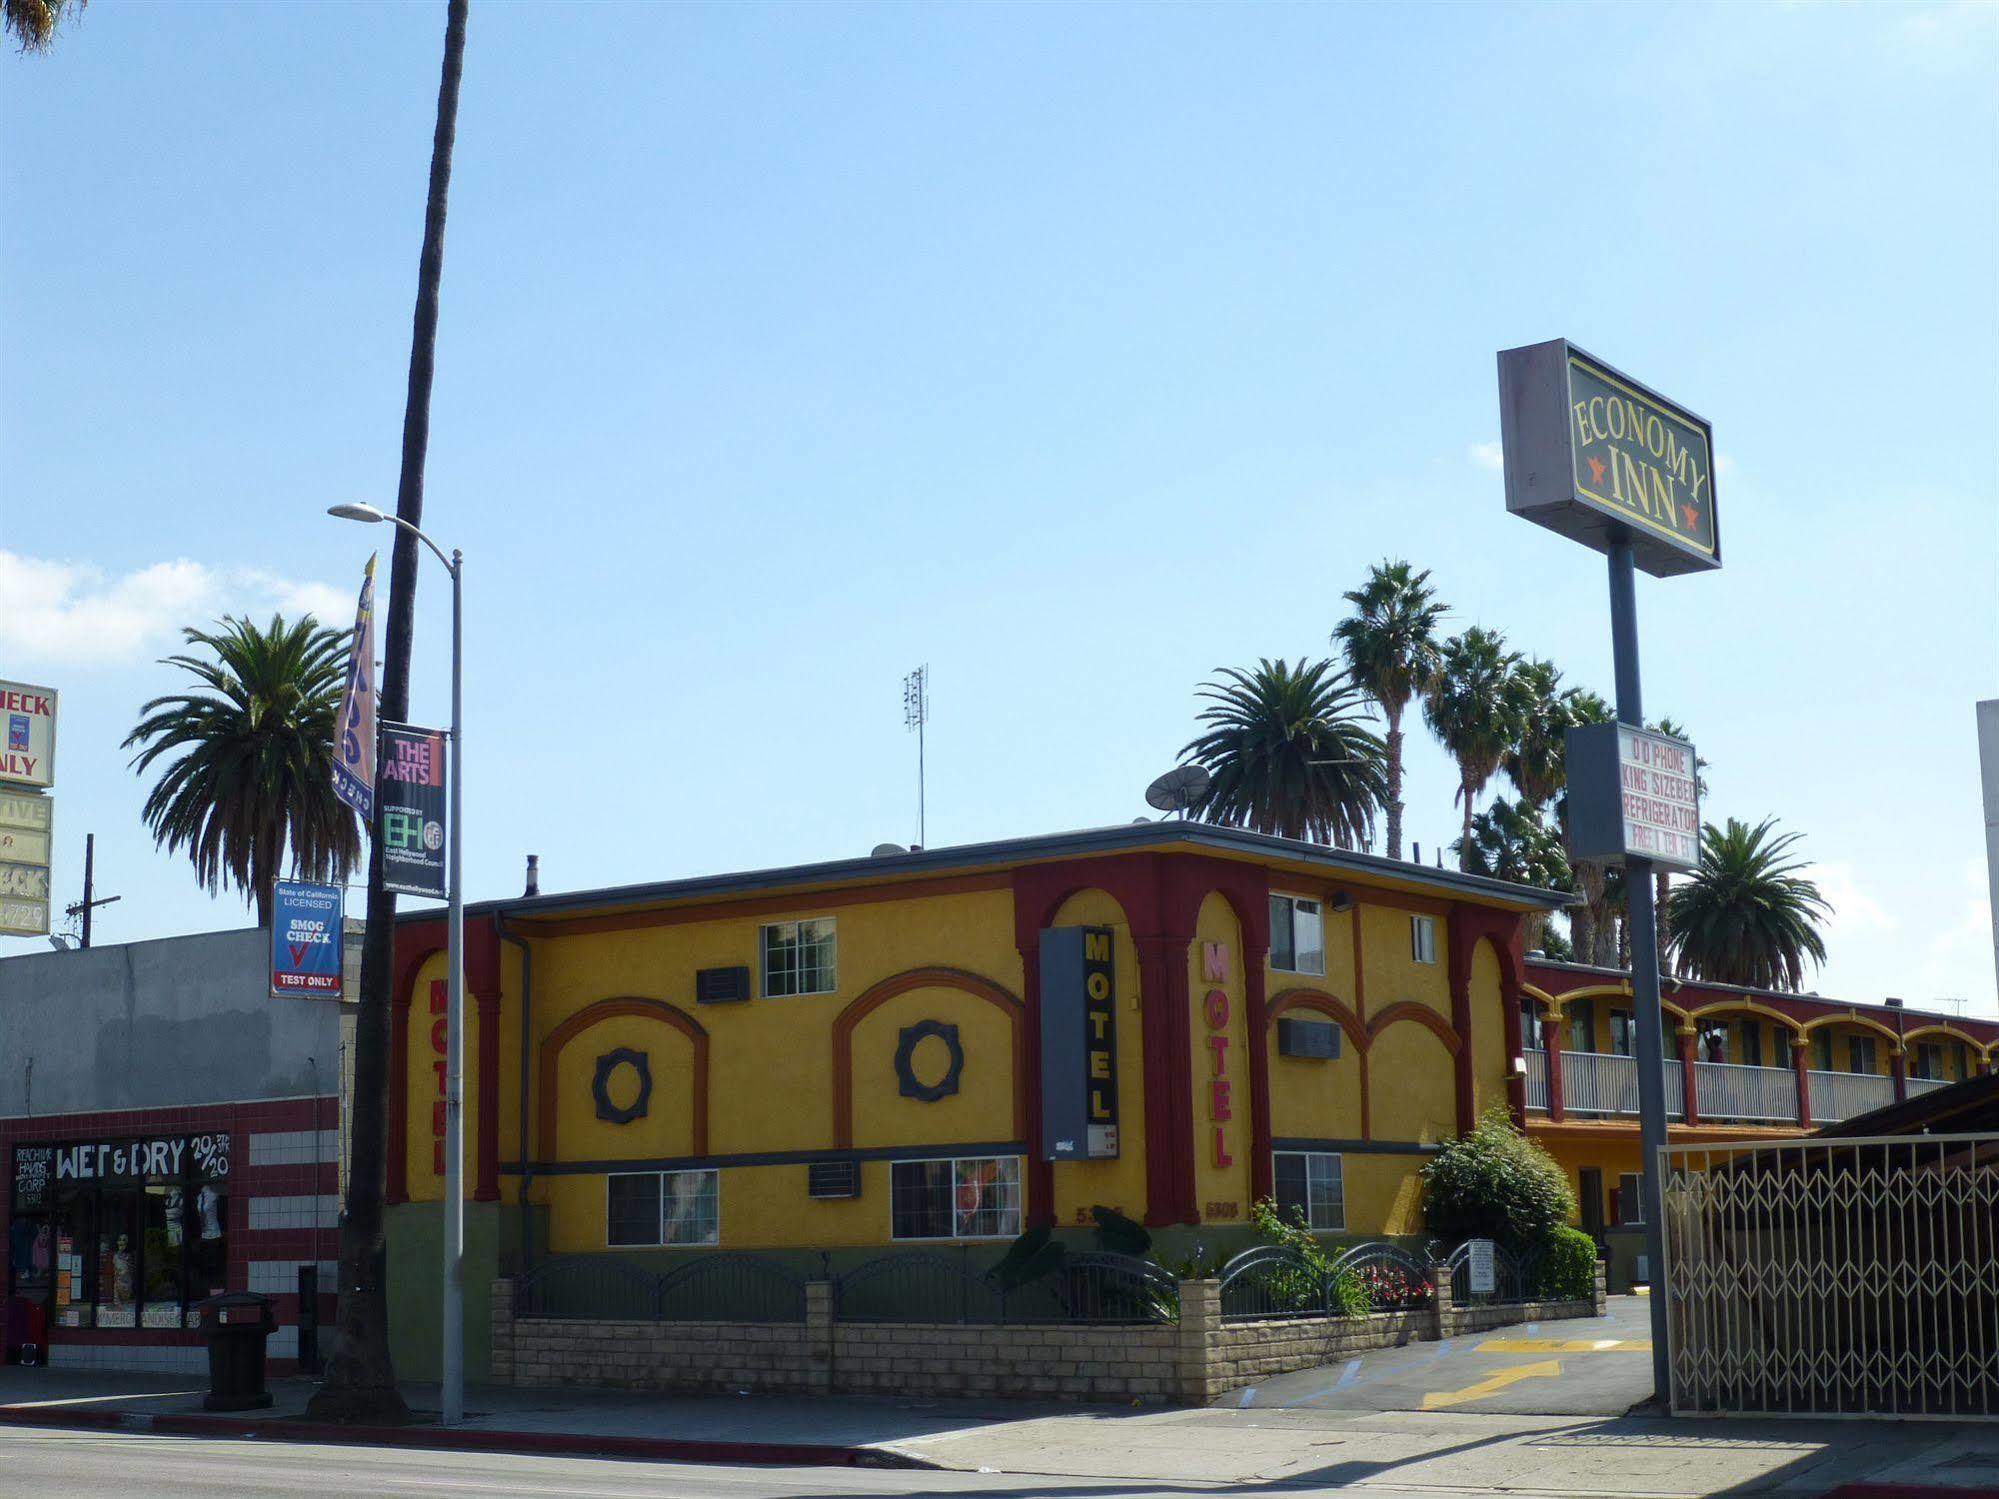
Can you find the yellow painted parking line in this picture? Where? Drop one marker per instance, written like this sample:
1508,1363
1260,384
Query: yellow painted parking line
1493,1384
1566,1345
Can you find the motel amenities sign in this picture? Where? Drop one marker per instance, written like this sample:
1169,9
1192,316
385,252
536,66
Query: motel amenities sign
1588,448
1079,1118
1632,794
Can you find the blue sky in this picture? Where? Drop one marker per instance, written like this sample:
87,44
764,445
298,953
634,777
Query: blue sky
1074,350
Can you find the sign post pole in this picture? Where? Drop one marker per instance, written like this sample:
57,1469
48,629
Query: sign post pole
1644,932
454,1091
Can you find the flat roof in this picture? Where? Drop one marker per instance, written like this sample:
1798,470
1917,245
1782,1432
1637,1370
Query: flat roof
1120,838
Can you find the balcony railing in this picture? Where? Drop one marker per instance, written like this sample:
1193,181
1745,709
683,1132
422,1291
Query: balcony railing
1841,1095
1726,1091
1599,1083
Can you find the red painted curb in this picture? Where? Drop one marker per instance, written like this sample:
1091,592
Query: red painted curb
552,1443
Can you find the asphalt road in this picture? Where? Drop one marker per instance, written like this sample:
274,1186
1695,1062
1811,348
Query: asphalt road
38,1463
1592,1367
96,1465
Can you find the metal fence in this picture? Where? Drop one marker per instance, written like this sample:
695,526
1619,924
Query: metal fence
1837,1277
1273,1280
1845,1095
1515,1277
711,1288
1727,1090
1604,1083
919,1286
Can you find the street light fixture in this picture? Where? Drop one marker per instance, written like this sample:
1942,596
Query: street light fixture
454,1066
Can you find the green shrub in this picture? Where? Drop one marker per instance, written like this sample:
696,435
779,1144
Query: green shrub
1495,1183
1568,1266
1349,1296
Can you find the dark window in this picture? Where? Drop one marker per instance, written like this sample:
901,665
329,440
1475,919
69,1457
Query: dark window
1309,1189
1822,1051
634,1210
1630,1198
1860,1054
1530,1027
1297,935
1623,1040
975,1197
1582,1026
1752,1044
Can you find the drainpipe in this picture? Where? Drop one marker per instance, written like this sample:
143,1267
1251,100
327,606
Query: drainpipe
527,1010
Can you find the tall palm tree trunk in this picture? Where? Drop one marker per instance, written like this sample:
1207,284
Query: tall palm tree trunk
1662,886
360,1383
1464,847
1394,714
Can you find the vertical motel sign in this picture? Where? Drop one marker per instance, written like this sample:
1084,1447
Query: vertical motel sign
1079,1116
1603,459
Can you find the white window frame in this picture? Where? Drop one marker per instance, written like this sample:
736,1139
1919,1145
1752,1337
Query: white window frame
832,971
1422,939
661,1241
954,1162
1339,1183
1319,913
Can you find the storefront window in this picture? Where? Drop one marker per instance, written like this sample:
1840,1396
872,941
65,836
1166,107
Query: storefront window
125,1233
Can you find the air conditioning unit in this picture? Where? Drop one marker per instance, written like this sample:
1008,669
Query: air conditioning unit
833,1179
1307,1038
721,986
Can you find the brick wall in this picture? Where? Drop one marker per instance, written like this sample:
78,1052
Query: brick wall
1192,1362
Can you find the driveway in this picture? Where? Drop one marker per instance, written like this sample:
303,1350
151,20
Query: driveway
1593,1366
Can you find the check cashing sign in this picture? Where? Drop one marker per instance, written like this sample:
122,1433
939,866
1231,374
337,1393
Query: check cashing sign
1590,451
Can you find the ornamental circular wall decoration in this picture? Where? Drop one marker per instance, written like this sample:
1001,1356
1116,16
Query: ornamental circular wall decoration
905,1074
600,1086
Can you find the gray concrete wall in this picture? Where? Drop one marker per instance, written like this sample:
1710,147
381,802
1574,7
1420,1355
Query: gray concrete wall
183,1020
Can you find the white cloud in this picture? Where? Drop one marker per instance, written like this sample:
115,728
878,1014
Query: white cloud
1488,455
1955,961
1855,912
73,614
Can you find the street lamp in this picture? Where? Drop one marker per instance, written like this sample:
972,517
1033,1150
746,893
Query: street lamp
454,1064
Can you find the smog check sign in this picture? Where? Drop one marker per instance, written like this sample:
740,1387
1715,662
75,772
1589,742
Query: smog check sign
1589,451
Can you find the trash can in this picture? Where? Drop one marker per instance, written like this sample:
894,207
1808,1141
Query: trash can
236,1350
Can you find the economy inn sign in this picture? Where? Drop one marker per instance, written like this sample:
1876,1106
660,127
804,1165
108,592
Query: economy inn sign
1588,447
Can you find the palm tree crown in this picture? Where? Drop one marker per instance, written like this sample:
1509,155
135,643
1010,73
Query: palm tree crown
1746,916
33,23
1591,924
254,770
1535,764
1290,754
1474,707
1391,649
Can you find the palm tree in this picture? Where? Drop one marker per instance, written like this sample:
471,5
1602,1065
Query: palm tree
1474,708
1535,763
1391,648
254,767
1746,916
1510,842
1289,753
33,23
1591,928
360,1382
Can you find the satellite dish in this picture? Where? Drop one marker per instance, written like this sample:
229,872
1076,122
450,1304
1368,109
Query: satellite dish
886,850
1178,789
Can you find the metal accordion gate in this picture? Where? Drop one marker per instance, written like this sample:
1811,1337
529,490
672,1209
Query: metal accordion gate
1834,1277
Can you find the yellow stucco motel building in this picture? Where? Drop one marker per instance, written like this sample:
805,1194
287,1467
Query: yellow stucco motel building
944,1047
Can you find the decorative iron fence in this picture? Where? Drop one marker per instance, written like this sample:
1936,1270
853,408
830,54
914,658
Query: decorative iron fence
1273,1280
711,1288
918,1286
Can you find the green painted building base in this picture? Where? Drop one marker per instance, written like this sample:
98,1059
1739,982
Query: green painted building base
416,1269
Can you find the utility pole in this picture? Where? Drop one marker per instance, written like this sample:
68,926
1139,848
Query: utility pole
84,907
916,713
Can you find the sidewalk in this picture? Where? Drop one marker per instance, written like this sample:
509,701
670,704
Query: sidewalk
1214,1448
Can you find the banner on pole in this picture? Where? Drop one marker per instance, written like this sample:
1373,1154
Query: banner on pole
27,824
354,729
409,785
28,718
306,939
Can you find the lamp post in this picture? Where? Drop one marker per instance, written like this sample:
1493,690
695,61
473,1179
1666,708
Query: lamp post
454,1045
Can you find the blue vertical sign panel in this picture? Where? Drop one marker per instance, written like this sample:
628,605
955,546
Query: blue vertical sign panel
305,940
